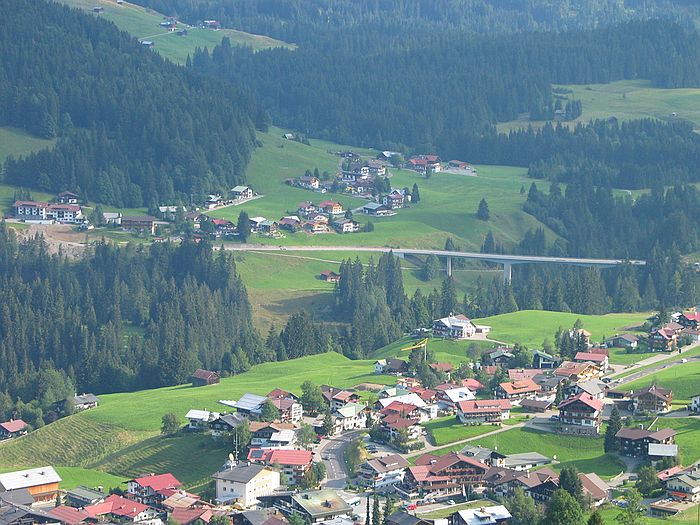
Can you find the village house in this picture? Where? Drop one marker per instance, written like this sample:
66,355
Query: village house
390,366
580,415
442,475
623,341
309,182
376,209
454,327
376,168
245,483
271,435
83,496
540,485
199,420
449,398
168,213
594,388
152,489
382,473
120,509
292,464
518,374
684,485
202,377
13,428
255,223
664,339
249,405
85,401
442,368
478,411
330,276
542,359
43,211
393,200
405,411
694,403
337,397
600,360
533,405
268,227
576,372
67,197
499,357
689,320
332,207
393,425
458,164
346,226
315,227
516,390
290,410
225,424
290,223
223,228
242,192
42,483
652,399
307,208
313,506
635,442
472,384
494,514
350,417
144,223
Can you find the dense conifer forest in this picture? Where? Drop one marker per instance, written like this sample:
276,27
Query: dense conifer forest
132,128
431,91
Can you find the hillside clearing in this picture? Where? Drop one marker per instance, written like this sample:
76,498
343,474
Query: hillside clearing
17,142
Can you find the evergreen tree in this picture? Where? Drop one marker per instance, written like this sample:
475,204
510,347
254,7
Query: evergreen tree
170,424
563,509
430,268
376,512
415,194
570,481
612,443
243,226
482,212
595,518
523,509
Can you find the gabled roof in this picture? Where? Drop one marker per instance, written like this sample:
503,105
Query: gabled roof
456,395
569,368
593,485
592,387
14,425
583,397
518,374
387,463
472,384
661,393
118,506
520,387
281,457
250,402
158,481
590,356
442,367
83,399
240,473
451,459
22,479
204,374
481,406
69,515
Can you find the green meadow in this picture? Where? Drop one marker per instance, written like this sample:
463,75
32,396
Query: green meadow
683,379
627,100
531,327
17,142
143,23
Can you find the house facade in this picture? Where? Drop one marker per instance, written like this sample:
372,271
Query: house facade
652,399
382,473
244,484
481,411
454,327
580,415
634,442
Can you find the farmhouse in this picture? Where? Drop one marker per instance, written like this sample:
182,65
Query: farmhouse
242,192
349,417
66,197
337,397
330,276
596,389
85,401
226,423
580,415
331,207
634,442
689,320
202,377
390,366
664,339
42,483
346,226
685,485
601,360
200,419
121,509
448,399
144,223
393,200
383,472
249,404
576,372
525,388
623,341
245,483
376,209
13,428
542,359
292,464
152,489
442,475
480,411
493,515
651,399
532,405
500,357
454,327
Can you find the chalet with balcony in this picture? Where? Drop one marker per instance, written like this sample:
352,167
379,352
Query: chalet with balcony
454,327
479,411
383,473
577,372
652,399
516,390
445,475
152,489
292,464
580,415
542,359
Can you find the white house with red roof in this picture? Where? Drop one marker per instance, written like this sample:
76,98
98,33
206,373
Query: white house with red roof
153,488
599,359
478,411
292,464
13,428
581,415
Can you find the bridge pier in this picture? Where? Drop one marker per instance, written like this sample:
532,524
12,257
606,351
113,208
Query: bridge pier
507,273
449,266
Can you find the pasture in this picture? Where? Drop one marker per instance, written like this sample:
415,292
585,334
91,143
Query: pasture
626,100
143,23
531,327
682,378
17,142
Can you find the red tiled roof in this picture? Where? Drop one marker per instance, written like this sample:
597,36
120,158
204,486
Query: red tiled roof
14,425
285,457
278,393
665,474
692,316
442,367
159,481
480,406
520,387
585,398
472,384
518,374
398,407
187,516
118,506
68,515
452,458
590,356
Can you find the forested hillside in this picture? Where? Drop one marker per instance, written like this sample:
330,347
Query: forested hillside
303,20
421,89
132,128
120,319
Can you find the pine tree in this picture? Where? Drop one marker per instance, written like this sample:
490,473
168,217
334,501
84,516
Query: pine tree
563,509
376,512
612,443
482,212
570,481
596,518
415,194
243,226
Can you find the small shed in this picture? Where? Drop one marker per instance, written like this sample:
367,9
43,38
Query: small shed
205,377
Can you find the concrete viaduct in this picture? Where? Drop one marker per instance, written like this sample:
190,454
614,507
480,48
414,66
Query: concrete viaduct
506,260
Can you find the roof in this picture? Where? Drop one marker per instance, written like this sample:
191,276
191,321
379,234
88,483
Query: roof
595,486
663,434
158,481
409,398
525,458
472,384
283,457
13,425
632,434
458,394
240,473
250,402
661,393
404,518
283,436
86,493
240,188
586,399
453,458
485,515
592,387
478,406
532,403
627,337
118,506
387,463
517,374
457,321
692,316
374,206
68,515
201,415
139,218
569,368
85,399
351,410
590,356
278,393
17,497
520,387
667,473
320,503
22,479
442,367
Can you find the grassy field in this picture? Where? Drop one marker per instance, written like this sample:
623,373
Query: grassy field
75,476
143,23
531,327
446,430
683,379
121,436
447,207
454,352
688,429
626,100
620,356
17,142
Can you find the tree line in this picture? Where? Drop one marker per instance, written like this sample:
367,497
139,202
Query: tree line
132,129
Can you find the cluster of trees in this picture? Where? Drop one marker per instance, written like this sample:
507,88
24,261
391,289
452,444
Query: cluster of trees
117,320
132,128
341,88
302,21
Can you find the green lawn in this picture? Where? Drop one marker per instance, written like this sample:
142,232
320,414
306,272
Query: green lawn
627,100
454,352
620,356
610,512
17,142
75,476
7,198
688,429
446,430
143,23
531,327
586,453
451,509
683,379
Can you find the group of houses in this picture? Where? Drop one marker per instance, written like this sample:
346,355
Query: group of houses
325,217
63,210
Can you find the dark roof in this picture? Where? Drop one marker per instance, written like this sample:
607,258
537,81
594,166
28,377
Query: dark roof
85,398
240,473
633,433
531,403
661,393
17,497
662,434
404,518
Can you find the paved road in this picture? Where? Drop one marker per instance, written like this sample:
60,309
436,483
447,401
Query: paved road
492,257
663,364
333,455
